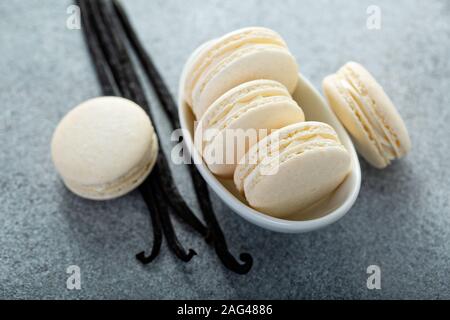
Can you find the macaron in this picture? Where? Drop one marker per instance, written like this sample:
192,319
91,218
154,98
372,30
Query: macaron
247,54
293,168
366,111
104,148
239,119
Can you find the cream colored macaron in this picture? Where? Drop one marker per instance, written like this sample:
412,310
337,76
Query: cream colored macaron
366,111
104,148
293,168
240,56
239,119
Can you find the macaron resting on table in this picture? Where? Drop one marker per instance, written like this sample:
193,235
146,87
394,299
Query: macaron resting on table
240,118
366,111
104,148
247,54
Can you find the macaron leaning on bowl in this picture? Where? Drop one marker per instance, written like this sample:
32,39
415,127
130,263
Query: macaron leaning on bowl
244,55
239,119
104,148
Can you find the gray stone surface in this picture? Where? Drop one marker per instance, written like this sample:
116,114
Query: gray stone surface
401,220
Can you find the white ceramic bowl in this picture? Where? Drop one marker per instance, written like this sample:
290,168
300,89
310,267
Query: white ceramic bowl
320,215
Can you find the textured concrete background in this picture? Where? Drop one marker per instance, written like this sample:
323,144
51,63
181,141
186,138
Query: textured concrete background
401,220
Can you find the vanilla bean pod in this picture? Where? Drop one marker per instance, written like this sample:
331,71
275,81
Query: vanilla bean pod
168,229
130,86
155,214
160,217
119,76
151,71
135,92
102,69
217,236
109,87
202,192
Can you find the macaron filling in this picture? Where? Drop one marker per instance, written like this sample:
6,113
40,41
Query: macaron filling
356,96
275,145
228,44
228,59
223,107
225,123
268,166
241,109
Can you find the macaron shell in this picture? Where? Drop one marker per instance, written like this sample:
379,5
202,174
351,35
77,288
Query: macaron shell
299,182
279,142
385,108
366,111
227,43
266,117
120,186
103,142
189,69
364,144
267,62
233,102
241,94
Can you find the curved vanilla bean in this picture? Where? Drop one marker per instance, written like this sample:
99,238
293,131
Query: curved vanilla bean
131,88
155,215
109,87
201,189
135,92
128,79
217,236
166,224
